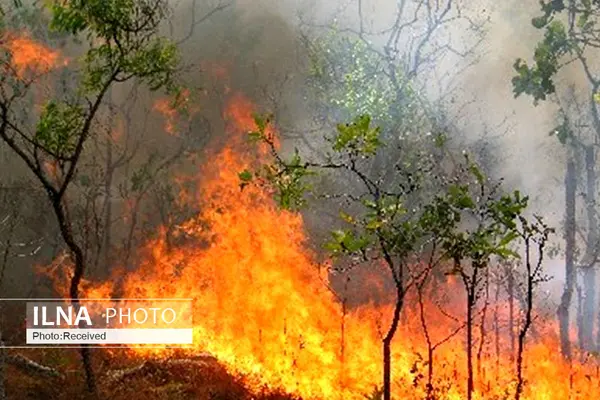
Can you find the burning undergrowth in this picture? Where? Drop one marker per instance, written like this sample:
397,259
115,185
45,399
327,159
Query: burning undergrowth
264,311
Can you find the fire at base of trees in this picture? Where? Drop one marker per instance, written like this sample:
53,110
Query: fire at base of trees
355,243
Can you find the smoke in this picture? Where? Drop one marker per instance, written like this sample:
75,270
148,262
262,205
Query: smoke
259,44
259,41
255,46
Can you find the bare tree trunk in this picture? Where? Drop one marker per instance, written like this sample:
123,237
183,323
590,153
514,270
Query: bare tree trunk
470,380
2,369
430,347
343,343
579,319
471,286
511,312
598,331
79,270
106,242
497,329
527,320
387,341
589,273
482,330
565,303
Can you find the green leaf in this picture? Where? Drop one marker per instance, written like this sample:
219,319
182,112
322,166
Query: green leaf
508,238
255,136
477,172
348,218
374,224
245,176
539,22
507,253
59,127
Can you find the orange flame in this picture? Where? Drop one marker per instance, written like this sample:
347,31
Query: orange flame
262,308
28,55
170,109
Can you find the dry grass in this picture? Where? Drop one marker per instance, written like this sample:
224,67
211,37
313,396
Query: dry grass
123,378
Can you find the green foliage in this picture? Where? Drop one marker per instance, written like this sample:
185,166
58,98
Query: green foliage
562,131
123,41
141,177
288,178
108,19
346,242
349,78
155,64
58,128
289,182
245,176
495,219
468,218
537,80
358,136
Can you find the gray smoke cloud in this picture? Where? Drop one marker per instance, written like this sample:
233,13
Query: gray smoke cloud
259,41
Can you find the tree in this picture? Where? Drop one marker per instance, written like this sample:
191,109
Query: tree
475,222
570,43
356,68
398,221
123,44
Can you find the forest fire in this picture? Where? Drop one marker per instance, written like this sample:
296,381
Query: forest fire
263,307
263,310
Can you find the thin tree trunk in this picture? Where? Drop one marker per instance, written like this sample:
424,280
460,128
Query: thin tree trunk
526,322
511,312
565,303
387,342
589,273
482,330
598,331
430,347
79,270
471,286
106,243
470,381
497,329
2,369
579,312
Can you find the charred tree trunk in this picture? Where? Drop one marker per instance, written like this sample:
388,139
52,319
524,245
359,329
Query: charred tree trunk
565,303
589,272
